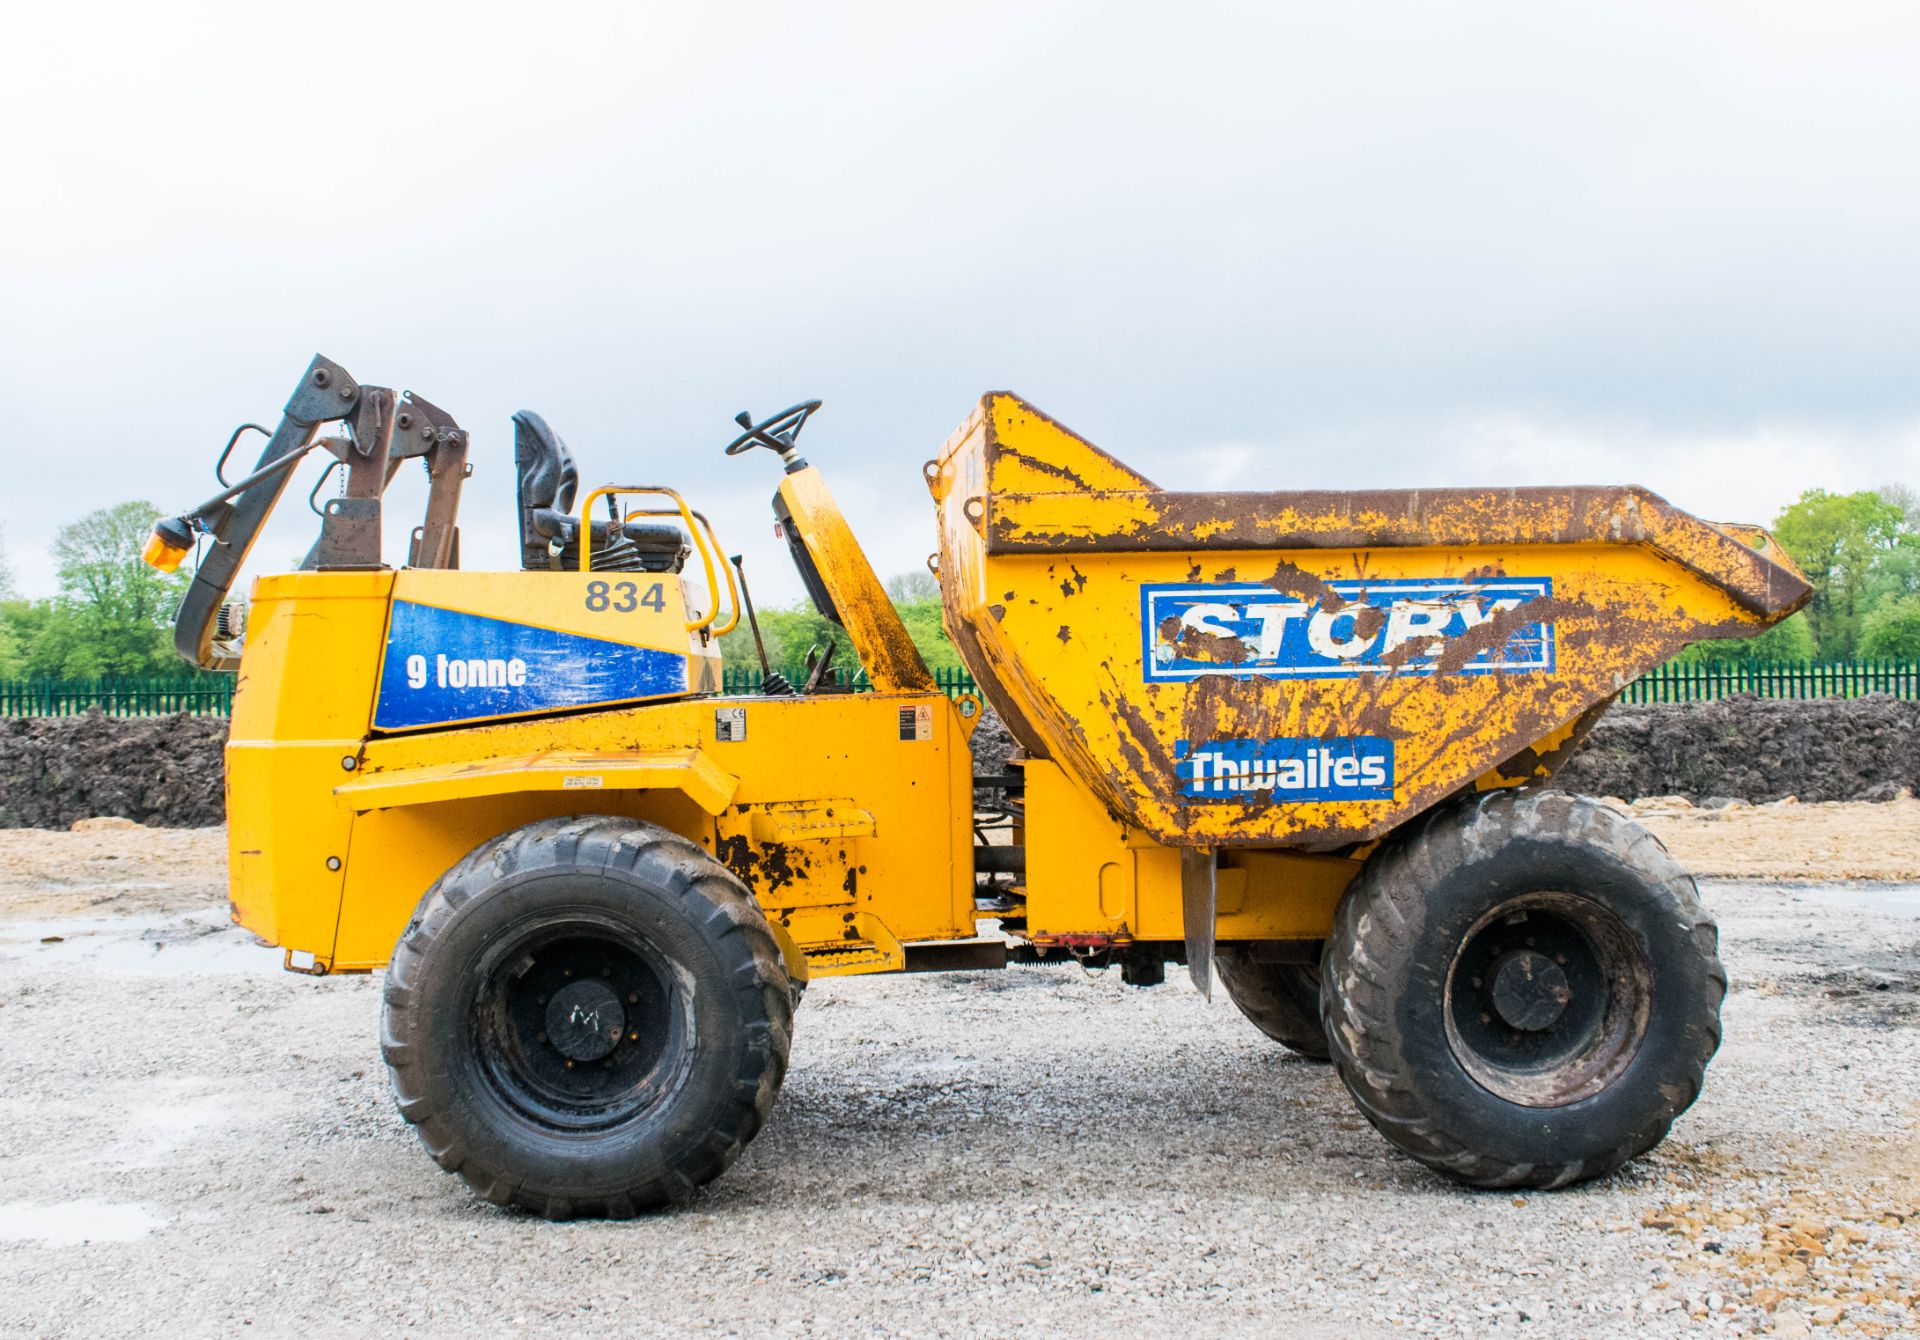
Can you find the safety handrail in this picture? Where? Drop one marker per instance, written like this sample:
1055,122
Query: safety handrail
733,591
687,518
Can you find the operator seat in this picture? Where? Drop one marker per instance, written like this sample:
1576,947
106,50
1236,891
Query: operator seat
548,483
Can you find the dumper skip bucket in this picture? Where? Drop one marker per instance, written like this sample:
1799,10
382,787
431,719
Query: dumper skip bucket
1311,669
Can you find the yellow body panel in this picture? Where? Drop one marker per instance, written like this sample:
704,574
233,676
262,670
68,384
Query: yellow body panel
1091,878
873,625
890,863
652,614
688,771
300,713
512,617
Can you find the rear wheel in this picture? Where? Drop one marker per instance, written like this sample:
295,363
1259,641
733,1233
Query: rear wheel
1524,990
1281,999
587,1017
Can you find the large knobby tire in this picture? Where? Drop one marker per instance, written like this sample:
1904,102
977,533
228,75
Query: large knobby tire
1523,990
1282,999
587,1017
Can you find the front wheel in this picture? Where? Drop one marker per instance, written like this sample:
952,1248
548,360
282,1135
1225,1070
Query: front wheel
1523,990
587,1017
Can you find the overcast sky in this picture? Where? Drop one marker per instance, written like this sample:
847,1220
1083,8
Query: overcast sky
1243,245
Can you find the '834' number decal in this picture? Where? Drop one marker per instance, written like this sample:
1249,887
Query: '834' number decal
625,597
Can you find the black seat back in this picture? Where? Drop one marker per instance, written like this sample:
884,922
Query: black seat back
548,481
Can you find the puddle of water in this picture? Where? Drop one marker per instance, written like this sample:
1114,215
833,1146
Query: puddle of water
161,1130
198,943
69,1223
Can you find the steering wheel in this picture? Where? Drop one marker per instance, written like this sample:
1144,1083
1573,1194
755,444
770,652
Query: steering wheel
776,433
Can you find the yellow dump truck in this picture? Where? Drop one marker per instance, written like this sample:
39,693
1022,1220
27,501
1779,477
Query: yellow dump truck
1293,741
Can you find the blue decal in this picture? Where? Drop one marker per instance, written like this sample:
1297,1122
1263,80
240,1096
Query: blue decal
1391,626
1353,767
443,665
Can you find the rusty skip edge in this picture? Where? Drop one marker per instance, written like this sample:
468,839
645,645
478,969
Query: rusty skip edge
1403,519
1740,559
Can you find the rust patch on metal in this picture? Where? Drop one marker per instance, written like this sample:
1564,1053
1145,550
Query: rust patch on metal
1291,580
1499,630
766,869
1065,634
1199,645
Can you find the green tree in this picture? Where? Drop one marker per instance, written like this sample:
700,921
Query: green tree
790,631
113,612
913,588
1891,630
927,627
12,662
1839,540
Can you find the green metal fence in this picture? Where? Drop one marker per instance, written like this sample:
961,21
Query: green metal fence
198,694
1837,679
746,679
213,694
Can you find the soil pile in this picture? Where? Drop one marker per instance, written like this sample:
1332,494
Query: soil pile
1741,748
163,771
1756,749
166,771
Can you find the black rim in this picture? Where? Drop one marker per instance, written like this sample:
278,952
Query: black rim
577,1027
1547,999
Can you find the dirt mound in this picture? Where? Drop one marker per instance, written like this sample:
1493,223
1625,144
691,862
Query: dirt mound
162,771
166,771
1756,749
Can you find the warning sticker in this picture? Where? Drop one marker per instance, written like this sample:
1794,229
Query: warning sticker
916,723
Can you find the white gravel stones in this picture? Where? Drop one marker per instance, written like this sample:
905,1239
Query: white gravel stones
1034,1152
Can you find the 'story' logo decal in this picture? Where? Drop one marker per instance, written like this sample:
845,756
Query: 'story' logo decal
1353,767
1388,626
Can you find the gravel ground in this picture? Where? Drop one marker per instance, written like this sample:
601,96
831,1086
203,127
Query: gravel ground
192,1142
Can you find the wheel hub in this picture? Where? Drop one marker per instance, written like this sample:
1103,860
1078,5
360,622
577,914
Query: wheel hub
585,1020
1529,991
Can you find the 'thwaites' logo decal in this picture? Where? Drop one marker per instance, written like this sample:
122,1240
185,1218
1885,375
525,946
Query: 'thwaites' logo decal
1388,626
1350,767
